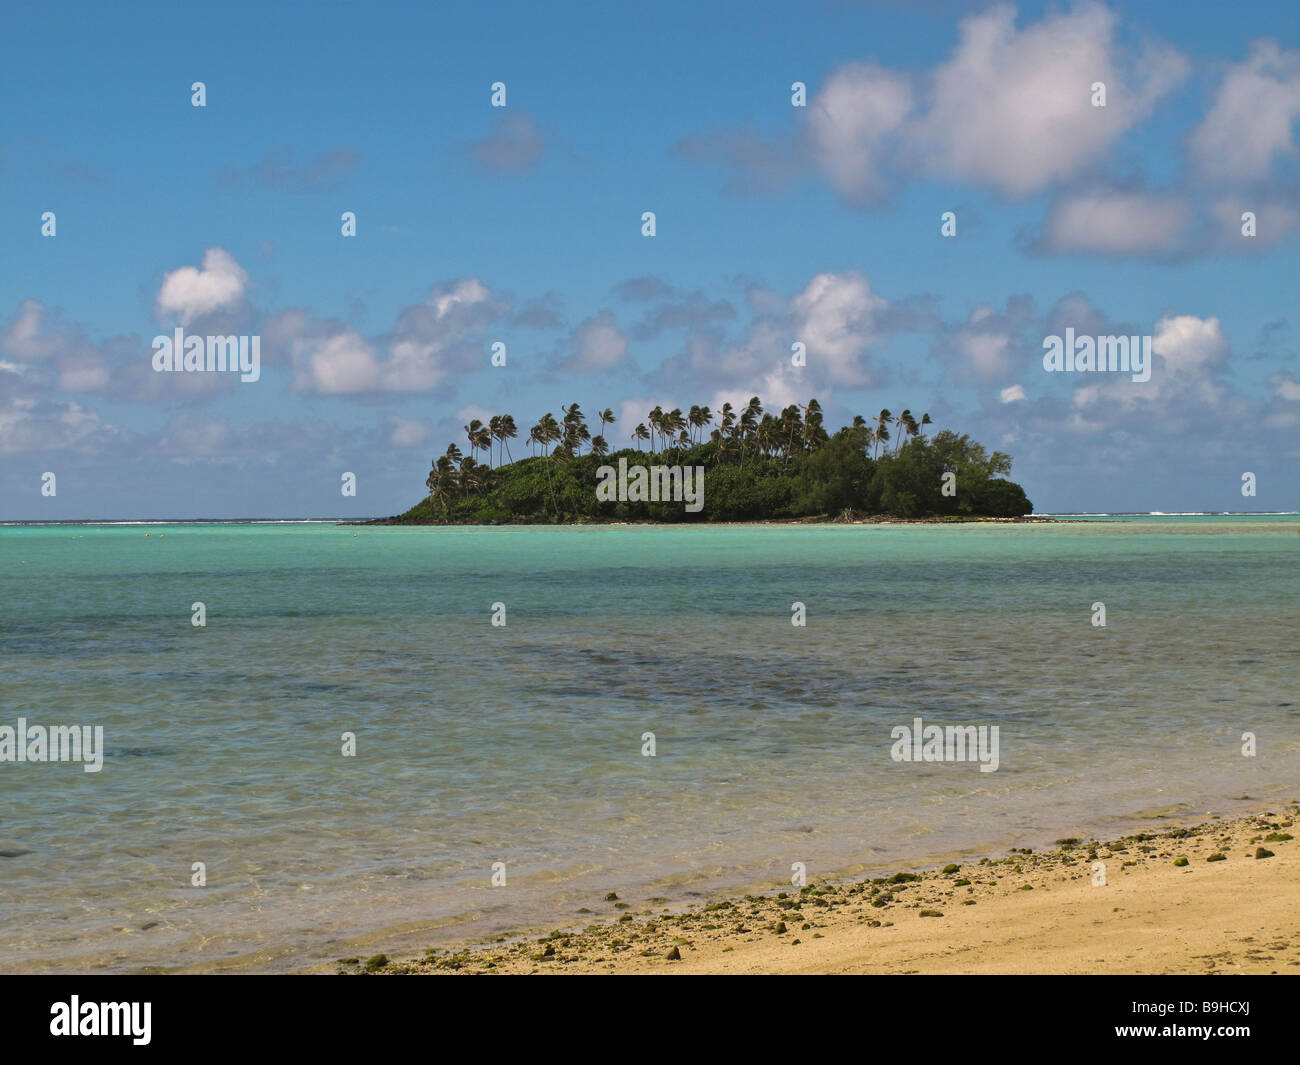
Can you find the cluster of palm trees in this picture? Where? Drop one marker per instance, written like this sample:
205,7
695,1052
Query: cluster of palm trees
748,431
450,471
673,428
907,427
796,429
570,433
499,429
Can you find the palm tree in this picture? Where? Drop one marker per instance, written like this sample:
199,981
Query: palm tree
813,433
575,432
656,420
862,434
880,436
728,419
598,446
882,433
494,434
925,420
640,433
472,434
749,419
479,436
568,422
675,422
606,418
695,419
545,432
790,428
724,431
745,430
551,428
907,427
913,428
442,479
508,432
470,478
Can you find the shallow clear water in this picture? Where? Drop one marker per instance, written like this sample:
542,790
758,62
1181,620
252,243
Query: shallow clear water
522,744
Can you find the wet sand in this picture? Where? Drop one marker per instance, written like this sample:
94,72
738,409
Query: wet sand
1168,904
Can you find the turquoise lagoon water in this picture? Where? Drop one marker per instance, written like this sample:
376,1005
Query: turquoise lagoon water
522,744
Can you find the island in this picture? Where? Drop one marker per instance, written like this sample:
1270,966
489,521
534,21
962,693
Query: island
753,465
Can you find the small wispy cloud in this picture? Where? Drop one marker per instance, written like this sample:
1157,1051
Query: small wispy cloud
281,170
514,145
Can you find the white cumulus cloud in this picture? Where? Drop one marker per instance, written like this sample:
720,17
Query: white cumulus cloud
837,317
191,292
851,119
1012,108
1252,120
1189,344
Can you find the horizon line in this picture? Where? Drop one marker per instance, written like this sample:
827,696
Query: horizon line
15,522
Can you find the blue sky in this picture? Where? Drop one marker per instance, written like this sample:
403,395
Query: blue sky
522,224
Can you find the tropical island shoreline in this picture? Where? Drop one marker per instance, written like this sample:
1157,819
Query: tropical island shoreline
824,519
1212,897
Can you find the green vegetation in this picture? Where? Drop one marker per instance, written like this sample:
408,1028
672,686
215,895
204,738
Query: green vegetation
904,878
758,466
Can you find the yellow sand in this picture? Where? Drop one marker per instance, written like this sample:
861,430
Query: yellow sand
1241,914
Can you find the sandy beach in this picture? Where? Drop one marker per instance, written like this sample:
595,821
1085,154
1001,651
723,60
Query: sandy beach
1217,897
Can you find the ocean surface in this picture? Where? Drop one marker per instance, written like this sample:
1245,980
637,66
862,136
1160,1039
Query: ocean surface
522,744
